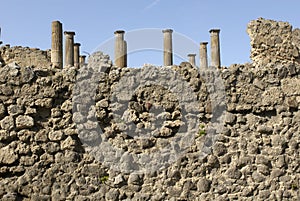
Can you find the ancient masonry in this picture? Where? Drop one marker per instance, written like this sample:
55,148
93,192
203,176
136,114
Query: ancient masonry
49,112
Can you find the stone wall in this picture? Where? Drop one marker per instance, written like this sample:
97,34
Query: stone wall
246,146
273,41
25,56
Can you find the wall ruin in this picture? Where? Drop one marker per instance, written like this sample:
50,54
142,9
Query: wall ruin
254,157
25,56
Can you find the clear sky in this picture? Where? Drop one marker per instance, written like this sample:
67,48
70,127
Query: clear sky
28,23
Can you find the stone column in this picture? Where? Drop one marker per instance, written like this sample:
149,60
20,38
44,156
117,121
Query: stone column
203,55
69,48
82,60
76,54
215,48
192,59
120,49
57,45
168,49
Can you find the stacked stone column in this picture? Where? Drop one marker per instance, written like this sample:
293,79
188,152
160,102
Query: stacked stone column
120,49
203,55
69,48
76,54
57,45
215,48
192,59
168,48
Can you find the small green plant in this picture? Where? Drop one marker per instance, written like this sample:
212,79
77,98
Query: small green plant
294,186
202,130
104,179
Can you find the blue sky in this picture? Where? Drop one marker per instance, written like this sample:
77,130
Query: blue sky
28,23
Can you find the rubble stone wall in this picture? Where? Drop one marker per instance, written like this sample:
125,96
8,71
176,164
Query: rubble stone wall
46,123
25,56
273,42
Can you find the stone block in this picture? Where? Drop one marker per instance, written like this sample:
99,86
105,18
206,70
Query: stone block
24,121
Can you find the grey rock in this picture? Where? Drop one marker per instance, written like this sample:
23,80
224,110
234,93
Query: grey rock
277,173
135,179
219,149
257,177
230,118
277,140
233,173
203,185
264,129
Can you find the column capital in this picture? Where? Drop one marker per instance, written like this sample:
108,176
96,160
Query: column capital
214,31
167,31
203,43
56,21
191,55
77,44
69,33
119,32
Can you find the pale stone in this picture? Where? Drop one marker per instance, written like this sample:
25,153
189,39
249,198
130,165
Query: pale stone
68,143
24,121
7,156
7,123
56,135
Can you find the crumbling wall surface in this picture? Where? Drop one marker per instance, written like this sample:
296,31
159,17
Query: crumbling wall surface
25,56
273,42
50,121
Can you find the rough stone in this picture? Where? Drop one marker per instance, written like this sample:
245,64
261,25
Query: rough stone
7,156
7,123
14,110
24,121
2,111
56,135
203,185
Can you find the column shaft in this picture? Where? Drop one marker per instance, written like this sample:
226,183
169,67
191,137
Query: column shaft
76,54
215,48
168,48
203,55
192,59
69,48
56,45
120,49
82,60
